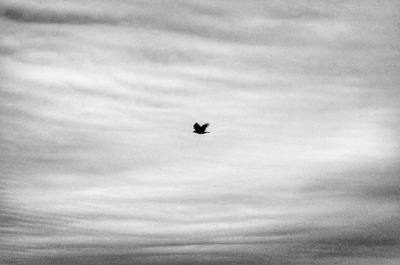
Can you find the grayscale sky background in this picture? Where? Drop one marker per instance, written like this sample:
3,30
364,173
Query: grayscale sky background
99,164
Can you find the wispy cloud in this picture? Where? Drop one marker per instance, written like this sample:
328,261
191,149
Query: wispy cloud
99,164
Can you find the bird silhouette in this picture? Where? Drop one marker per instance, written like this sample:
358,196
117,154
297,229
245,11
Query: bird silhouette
200,129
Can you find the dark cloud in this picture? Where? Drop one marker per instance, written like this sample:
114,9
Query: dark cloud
365,244
26,15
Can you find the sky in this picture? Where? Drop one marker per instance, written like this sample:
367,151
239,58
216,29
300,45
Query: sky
100,165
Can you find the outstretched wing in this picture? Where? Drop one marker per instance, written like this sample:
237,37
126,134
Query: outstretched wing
197,126
204,126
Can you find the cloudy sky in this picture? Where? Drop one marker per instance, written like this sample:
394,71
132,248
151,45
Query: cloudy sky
99,164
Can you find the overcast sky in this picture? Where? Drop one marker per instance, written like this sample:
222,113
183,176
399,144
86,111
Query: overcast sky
99,164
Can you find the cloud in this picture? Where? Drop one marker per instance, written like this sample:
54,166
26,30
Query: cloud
99,162
46,16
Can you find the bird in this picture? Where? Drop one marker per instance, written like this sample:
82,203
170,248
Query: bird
200,129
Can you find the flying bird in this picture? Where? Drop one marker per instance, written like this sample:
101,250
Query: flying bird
200,129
